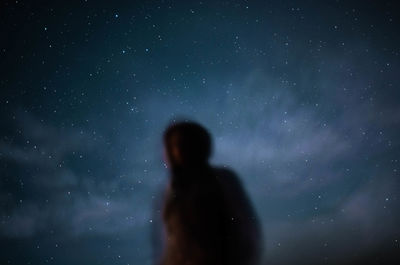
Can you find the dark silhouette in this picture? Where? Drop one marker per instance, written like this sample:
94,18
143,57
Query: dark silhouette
207,217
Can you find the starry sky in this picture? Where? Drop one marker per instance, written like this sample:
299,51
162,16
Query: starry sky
301,97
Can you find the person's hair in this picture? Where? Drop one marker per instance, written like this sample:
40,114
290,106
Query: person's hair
194,141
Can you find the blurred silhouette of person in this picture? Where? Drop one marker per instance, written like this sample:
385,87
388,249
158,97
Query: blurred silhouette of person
207,216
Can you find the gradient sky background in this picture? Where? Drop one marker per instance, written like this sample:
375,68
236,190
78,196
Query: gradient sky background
302,98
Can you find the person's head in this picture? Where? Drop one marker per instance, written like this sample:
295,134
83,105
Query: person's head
187,143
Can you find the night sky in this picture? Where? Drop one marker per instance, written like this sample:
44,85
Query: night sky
301,97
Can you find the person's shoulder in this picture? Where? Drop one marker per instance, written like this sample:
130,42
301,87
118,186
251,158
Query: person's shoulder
223,171
226,175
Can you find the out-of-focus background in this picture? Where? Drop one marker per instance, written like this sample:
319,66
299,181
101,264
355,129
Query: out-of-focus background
301,97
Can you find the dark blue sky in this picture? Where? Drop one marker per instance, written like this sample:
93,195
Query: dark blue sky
301,97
